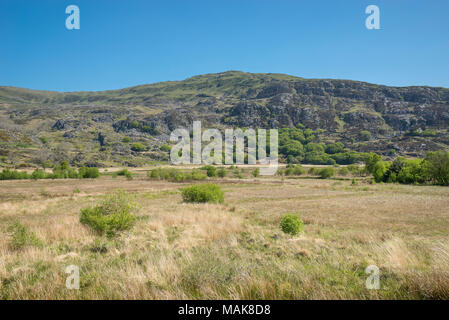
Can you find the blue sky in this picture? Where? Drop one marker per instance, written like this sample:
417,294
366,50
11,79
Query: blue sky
125,43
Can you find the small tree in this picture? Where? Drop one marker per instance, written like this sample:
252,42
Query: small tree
436,166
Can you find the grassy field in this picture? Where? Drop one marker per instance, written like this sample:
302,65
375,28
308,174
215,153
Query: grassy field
234,250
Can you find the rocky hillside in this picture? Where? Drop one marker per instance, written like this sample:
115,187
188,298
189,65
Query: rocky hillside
110,127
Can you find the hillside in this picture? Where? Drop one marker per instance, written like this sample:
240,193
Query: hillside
100,128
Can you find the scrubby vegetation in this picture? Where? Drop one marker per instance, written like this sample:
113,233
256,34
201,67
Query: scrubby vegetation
22,237
203,193
62,171
114,214
433,169
176,175
124,172
326,173
292,170
292,224
299,145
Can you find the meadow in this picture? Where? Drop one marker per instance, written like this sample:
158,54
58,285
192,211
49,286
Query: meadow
230,250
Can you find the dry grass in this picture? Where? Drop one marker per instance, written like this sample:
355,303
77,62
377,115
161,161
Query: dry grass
231,251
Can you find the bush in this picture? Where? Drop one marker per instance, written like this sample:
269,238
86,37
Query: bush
22,237
7,174
175,175
203,193
126,173
221,172
165,148
112,215
365,135
211,171
89,172
256,172
436,167
326,173
138,147
126,139
292,224
343,171
379,170
370,161
38,174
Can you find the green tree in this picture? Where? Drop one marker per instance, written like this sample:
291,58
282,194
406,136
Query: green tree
436,166
370,161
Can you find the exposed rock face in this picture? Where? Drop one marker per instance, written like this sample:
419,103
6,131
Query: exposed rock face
148,113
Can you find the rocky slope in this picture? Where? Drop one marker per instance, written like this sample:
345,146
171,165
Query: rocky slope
99,128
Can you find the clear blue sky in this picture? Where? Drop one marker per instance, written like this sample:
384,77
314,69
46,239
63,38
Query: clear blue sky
125,43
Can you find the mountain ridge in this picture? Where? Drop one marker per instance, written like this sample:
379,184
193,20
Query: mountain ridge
90,127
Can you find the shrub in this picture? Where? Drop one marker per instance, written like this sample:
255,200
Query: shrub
203,193
370,161
326,173
365,135
126,173
256,172
221,172
112,215
126,139
138,147
343,171
22,237
7,174
436,167
165,148
211,171
89,172
38,174
379,170
292,224
355,169
175,175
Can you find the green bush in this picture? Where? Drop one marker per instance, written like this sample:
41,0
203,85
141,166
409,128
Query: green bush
379,170
126,173
7,174
370,161
203,193
112,215
210,170
343,171
126,139
221,172
292,224
138,147
175,175
436,167
326,173
256,172
88,172
22,237
165,148
365,135
62,171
